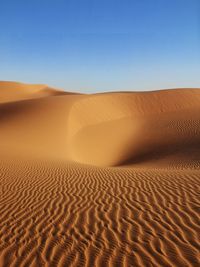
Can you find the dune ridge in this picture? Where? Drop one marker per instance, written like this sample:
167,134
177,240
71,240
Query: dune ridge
110,179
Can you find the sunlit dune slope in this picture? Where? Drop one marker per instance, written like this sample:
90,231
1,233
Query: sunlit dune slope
109,129
36,126
123,128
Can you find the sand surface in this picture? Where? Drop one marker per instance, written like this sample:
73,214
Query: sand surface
109,179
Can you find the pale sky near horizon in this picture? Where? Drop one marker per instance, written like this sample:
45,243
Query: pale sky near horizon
101,45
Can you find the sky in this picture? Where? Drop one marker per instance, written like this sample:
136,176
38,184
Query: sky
101,45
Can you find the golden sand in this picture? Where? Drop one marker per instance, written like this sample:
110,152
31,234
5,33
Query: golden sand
109,179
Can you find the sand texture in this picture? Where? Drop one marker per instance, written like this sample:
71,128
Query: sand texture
110,179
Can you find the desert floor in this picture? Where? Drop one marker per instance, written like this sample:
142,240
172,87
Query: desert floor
109,179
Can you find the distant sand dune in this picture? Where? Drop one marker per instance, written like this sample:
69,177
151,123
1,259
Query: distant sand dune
109,179
14,91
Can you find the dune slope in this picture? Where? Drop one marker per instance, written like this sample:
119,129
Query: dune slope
127,127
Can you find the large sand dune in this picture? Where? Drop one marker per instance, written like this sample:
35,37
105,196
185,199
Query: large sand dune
107,179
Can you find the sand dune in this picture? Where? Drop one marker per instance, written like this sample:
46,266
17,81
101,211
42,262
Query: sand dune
107,179
132,125
14,91
110,129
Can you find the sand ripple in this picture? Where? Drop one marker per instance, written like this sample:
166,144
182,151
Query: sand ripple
74,215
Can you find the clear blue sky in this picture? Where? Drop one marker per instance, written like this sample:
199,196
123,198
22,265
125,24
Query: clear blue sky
101,45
